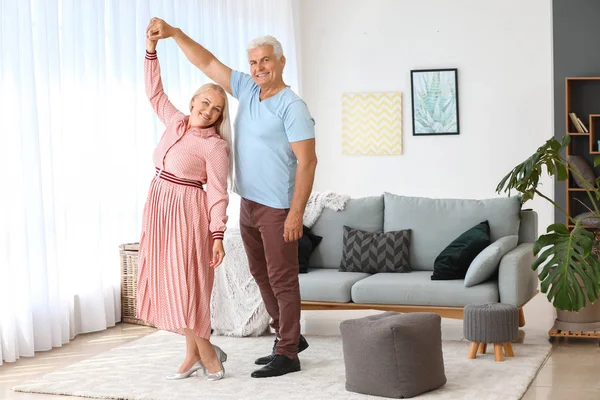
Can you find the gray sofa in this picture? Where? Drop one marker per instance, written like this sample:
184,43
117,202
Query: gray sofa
435,223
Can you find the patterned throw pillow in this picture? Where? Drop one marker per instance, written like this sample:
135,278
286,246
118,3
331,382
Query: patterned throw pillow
374,252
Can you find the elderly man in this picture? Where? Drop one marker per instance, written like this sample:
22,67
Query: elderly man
275,162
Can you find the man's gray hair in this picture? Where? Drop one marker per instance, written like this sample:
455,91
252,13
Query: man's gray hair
267,41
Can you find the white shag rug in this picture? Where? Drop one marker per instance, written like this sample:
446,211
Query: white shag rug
136,370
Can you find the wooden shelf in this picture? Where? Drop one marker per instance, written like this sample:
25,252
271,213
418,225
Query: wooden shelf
580,92
575,334
583,78
593,137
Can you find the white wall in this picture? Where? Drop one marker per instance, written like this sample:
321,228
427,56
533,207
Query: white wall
503,52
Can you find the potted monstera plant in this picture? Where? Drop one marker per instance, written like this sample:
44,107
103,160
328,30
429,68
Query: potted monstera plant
567,265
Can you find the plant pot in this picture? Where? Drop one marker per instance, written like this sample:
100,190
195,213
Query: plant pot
586,319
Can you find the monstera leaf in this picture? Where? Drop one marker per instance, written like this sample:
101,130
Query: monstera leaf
568,266
525,177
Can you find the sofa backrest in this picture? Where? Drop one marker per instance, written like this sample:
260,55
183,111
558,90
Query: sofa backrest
528,230
435,223
364,213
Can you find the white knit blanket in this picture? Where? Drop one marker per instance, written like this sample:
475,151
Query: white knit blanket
318,201
236,308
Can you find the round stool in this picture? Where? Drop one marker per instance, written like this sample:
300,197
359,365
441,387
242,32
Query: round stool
495,323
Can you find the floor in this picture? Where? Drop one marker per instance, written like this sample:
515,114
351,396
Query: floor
571,371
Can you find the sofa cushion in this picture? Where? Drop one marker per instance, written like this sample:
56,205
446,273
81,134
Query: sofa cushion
364,213
485,265
584,169
418,289
435,223
374,252
588,219
453,262
323,284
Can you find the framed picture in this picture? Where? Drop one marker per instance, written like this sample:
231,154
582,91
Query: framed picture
372,123
434,102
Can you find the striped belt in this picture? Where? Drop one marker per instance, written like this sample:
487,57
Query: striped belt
167,176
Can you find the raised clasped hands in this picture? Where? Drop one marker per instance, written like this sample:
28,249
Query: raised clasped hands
158,29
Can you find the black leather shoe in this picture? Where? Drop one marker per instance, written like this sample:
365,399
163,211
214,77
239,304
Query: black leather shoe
280,365
302,345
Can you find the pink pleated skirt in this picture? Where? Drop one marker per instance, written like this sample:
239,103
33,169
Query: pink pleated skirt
175,279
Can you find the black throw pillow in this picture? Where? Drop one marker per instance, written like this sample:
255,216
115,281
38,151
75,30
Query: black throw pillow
453,262
306,245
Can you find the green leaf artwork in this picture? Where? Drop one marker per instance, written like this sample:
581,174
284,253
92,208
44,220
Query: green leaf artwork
435,102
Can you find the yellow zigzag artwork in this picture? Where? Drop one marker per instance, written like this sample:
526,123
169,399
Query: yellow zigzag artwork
372,123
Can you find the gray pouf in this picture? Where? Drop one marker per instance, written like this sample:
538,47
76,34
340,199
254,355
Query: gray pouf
393,355
495,323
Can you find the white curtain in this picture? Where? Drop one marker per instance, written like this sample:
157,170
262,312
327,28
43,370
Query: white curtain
77,135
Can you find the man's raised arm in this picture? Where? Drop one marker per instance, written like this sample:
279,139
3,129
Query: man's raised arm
195,52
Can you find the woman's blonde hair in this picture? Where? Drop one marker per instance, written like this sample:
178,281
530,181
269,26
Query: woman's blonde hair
222,125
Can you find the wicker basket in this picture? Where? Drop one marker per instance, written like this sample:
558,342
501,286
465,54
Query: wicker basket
129,274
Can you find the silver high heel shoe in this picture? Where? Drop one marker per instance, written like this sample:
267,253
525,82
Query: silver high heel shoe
196,367
216,375
221,357
220,353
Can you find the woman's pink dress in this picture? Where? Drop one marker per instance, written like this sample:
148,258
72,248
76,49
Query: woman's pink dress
180,221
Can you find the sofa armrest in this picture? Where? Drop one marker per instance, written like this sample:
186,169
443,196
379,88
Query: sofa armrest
517,282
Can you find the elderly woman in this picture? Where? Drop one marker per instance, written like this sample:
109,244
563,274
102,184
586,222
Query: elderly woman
183,224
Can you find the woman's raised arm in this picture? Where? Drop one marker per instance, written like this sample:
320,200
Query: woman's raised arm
165,110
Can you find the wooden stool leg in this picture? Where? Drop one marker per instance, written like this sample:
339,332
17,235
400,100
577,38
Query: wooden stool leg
508,350
473,350
482,348
521,318
498,352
